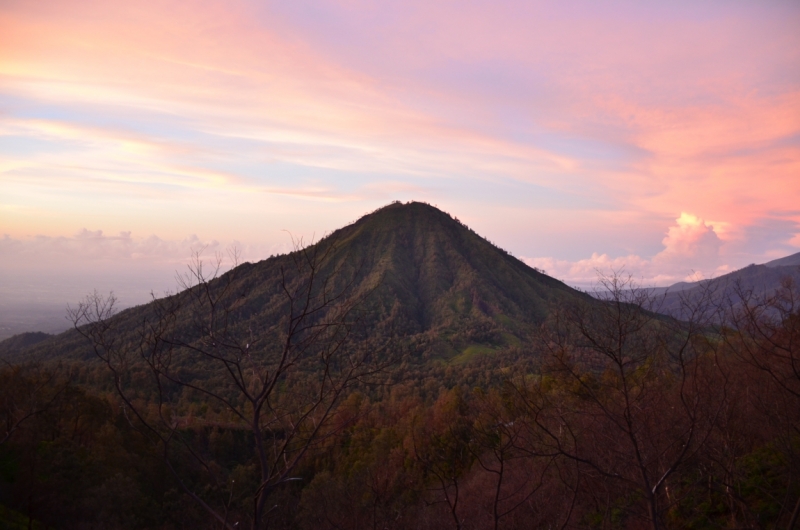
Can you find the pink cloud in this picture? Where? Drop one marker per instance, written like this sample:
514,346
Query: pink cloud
691,252
93,248
646,110
691,241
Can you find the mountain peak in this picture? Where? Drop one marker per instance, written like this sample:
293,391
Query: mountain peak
398,213
436,275
434,284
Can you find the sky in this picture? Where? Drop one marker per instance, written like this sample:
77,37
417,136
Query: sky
661,139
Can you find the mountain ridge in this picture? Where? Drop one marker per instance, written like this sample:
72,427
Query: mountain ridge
759,280
434,284
792,260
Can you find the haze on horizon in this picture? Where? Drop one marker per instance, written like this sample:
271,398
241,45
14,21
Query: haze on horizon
662,139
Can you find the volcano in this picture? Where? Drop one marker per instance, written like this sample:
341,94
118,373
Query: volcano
431,285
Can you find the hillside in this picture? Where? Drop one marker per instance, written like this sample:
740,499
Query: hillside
760,280
788,261
429,282
240,402
22,341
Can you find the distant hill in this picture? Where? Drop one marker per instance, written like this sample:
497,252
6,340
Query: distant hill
759,279
438,288
22,341
788,261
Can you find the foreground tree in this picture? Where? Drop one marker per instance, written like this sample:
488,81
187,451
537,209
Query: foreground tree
441,448
278,384
514,470
26,391
624,393
763,335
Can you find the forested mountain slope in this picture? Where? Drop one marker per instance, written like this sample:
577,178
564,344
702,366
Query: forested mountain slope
403,373
730,289
423,278
22,341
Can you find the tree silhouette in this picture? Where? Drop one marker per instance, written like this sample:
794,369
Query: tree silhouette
279,383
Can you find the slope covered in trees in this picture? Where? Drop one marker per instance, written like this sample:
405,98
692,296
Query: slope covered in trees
334,388
429,282
21,342
732,287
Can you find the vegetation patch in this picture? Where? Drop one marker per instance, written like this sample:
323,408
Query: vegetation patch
473,351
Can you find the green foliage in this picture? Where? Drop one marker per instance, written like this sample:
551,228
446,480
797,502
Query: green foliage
13,520
433,284
562,389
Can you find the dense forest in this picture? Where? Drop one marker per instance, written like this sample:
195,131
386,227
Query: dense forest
343,408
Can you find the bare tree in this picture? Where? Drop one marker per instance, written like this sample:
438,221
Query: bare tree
279,382
763,333
625,396
516,464
770,327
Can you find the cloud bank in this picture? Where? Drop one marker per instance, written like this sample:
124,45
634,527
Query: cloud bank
556,129
692,250
94,249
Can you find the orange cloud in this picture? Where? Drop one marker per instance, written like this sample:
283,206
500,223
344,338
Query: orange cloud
691,252
185,106
691,240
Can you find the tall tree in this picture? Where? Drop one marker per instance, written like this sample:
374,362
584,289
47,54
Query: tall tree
629,402
763,332
278,383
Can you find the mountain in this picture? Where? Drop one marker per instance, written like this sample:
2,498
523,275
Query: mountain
22,341
433,285
760,280
788,261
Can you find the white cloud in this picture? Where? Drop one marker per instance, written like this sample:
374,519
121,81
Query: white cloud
691,252
51,272
95,249
584,272
690,240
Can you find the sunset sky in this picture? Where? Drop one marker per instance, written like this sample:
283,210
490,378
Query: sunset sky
660,138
